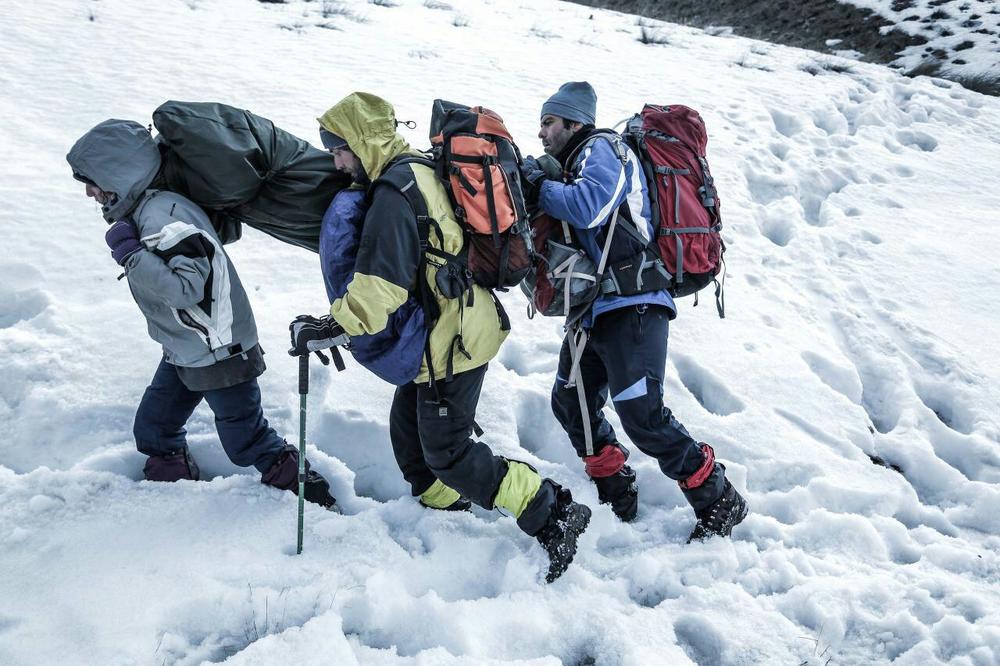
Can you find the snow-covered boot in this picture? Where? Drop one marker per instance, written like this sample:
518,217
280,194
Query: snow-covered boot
558,536
720,517
621,492
174,466
615,480
443,498
284,475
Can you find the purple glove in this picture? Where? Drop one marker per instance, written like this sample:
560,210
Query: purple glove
123,239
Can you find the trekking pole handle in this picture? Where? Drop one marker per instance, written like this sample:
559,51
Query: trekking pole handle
304,374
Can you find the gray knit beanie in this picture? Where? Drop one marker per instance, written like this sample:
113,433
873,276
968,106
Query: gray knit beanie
574,101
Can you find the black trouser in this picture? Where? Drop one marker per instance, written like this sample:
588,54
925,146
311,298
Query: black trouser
432,440
626,356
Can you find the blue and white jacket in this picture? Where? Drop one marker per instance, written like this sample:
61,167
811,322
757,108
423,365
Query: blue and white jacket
599,183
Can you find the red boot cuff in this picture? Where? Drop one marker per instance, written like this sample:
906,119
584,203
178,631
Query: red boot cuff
703,472
606,463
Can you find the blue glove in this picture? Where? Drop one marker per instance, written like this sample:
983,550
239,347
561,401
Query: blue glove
123,239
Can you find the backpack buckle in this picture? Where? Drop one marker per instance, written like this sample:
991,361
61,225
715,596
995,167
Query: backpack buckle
707,195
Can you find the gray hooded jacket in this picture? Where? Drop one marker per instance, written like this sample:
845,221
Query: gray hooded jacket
182,280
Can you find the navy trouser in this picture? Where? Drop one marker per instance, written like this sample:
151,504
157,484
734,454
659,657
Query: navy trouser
626,357
167,404
433,440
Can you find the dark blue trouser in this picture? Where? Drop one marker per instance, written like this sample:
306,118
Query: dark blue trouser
433,440
167,405
627,356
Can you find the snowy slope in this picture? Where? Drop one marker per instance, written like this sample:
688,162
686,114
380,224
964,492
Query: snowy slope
962,35
863,288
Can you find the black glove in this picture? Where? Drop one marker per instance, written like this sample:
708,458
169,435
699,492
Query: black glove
532,172
311,334
532,175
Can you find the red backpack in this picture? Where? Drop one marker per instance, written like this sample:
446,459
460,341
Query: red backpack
670,142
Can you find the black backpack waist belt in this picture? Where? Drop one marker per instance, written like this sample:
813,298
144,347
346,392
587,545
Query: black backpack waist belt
638,274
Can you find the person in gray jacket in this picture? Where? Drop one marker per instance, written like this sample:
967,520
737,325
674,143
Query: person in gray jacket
195,307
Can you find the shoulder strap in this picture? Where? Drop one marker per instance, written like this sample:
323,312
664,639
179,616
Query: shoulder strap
610,136
403,181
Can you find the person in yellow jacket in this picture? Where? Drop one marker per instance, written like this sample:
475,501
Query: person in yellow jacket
433,416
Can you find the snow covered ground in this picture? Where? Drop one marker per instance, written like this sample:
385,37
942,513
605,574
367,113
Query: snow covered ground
962,35
861,212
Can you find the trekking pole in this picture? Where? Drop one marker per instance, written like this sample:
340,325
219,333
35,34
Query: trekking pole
303,393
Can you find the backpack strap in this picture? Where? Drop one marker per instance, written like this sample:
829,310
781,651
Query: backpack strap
577,338
645,268
402,180
611,136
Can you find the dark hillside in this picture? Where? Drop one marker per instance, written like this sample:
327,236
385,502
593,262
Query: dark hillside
804,24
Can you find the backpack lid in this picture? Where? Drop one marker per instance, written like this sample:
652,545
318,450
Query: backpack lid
678,121
449,118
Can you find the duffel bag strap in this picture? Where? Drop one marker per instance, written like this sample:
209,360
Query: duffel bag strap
577,338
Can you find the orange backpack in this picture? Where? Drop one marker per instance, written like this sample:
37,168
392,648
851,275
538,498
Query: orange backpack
479,164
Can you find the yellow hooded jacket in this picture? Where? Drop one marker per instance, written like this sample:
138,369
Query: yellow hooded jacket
388,255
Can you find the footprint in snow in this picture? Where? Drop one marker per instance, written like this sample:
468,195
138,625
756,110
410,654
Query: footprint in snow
530,357
815,432
942,400
710,392
699,639
19,301
787,124
917,139
831,119
841,378
363,445
764,184
869,237
538,431
779,149
780,477
777,226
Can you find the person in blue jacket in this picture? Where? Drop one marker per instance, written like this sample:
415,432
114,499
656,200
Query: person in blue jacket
620,342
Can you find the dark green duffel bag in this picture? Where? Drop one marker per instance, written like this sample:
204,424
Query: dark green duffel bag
243,169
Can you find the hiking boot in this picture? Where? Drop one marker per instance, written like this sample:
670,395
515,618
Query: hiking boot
615,480
461,504
621,492
284,475
558,536
720,517
174,466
